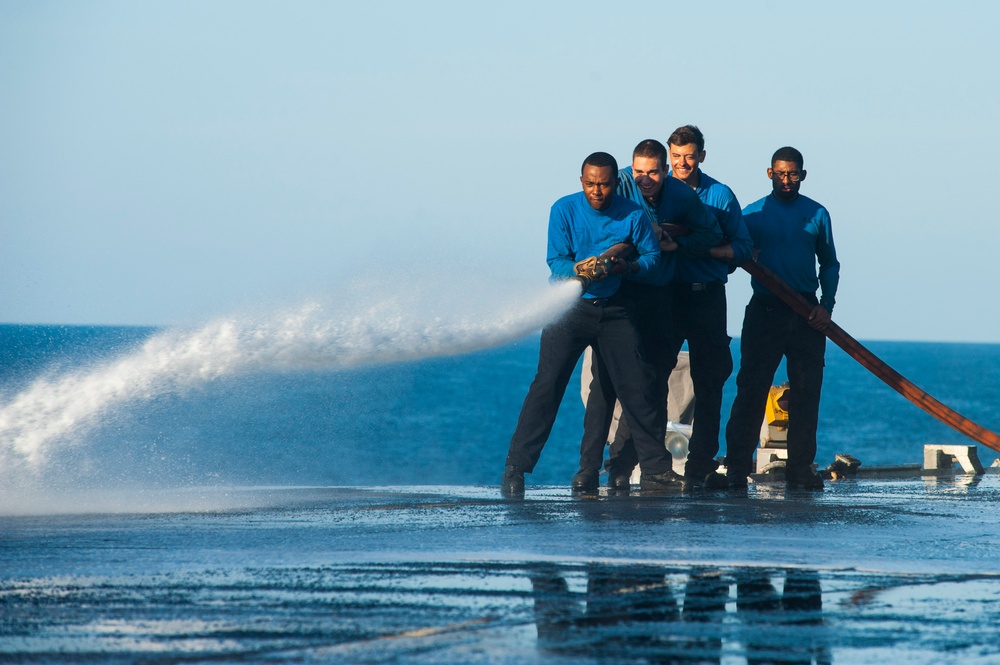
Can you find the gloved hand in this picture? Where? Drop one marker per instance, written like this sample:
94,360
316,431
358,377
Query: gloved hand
618,266
593,268
611,262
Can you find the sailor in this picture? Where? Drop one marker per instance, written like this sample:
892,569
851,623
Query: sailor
670,204
581,226
791,234
699,294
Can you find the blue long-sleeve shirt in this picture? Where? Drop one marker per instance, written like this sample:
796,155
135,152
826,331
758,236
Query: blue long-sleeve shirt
792,237
578,231
721,202
677,204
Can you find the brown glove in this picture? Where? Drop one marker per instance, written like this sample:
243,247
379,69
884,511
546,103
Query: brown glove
611,262
618,259
618,266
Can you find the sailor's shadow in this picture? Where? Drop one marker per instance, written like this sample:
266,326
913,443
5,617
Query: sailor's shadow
648,613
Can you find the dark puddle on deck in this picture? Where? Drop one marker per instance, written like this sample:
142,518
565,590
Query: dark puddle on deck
498,612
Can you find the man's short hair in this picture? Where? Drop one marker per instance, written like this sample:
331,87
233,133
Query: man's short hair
788,154
652,149
600,160
687,134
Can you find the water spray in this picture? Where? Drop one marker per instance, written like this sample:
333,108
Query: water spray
314,336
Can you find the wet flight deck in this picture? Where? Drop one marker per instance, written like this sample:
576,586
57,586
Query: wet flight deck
867,571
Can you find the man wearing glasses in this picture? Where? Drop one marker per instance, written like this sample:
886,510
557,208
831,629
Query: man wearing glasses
791,233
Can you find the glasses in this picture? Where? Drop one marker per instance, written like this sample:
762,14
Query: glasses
791,176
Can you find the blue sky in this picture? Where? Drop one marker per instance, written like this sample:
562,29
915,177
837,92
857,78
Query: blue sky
168,162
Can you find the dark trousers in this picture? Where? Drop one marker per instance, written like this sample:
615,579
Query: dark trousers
772,330
610,329
654,319
700,318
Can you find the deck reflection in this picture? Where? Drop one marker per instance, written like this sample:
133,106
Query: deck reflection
645,613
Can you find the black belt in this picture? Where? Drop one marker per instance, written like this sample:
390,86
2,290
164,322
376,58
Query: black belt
769,298
597,302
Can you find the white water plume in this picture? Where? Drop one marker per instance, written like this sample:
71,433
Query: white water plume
315,336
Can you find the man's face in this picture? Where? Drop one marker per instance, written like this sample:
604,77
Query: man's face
684,161
649,174
599,184
786,178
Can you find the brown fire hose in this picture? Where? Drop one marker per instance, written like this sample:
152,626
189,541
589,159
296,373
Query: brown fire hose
873,363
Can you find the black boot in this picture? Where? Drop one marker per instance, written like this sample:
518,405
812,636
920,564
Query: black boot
619,477
668,480
585,482
803,479
715,481
512,482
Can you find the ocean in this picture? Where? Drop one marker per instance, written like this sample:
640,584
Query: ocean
168,417
306,486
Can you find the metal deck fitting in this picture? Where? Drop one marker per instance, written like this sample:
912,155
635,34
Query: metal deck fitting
942,458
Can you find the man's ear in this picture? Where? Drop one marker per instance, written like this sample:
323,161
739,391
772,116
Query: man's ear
770,175
701,155
803,176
